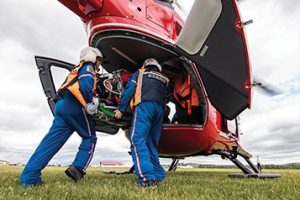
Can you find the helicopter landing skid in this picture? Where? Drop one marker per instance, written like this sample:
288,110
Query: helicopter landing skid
248,172
258,175
173,165
130,171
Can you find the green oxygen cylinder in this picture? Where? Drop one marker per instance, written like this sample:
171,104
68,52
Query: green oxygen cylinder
111,120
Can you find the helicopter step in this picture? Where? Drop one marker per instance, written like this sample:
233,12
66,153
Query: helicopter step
248,172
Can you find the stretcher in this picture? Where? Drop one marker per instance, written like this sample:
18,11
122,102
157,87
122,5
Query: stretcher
106,116
109,89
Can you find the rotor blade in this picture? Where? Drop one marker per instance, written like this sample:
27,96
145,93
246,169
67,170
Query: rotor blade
241,1
266,88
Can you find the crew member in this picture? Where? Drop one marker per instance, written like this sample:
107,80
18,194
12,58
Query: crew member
77,100
145,92
188,110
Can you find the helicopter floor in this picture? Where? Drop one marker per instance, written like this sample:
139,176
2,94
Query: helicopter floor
258,175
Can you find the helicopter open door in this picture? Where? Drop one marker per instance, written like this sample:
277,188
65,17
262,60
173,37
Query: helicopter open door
213,39
46,67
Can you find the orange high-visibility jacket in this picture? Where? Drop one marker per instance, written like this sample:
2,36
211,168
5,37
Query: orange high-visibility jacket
71,83
185,92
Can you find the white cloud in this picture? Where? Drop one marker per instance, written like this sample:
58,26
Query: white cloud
271,128
273,38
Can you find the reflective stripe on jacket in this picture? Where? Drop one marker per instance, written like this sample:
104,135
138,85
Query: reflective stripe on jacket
150,86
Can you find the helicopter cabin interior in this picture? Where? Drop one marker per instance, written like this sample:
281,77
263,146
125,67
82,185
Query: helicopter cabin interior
127,50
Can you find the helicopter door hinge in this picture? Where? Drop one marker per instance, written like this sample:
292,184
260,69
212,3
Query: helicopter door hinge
243,24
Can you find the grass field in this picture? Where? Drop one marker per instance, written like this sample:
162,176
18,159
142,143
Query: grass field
184,184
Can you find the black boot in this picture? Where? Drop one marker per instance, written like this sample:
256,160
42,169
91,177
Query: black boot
74,173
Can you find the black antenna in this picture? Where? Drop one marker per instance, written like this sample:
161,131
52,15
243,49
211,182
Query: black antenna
258,164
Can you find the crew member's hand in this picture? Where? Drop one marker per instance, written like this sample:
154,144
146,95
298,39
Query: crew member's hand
118,114
91,108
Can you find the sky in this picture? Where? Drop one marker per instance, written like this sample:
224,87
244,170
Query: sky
271,128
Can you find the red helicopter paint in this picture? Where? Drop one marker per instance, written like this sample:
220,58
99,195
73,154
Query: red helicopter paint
210,46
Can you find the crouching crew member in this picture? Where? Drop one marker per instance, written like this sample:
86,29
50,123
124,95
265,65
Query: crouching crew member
70,114
146,93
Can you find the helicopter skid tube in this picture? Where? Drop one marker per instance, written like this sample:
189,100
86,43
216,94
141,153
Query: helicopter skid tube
252,172
130,171
257,175
173,165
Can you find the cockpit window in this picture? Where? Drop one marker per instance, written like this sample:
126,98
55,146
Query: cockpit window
182,7
167,3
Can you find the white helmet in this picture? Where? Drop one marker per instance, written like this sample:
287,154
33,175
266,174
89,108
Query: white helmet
90,54
152,61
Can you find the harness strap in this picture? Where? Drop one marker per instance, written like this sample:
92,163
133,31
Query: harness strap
62,90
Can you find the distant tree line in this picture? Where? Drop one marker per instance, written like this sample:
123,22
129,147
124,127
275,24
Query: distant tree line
285,166
268,166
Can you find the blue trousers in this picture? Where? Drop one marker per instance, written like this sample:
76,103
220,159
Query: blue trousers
144,136
69,116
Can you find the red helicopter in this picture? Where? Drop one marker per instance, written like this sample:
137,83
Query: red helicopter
209,48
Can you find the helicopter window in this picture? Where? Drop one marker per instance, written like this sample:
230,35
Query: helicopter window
182,7
167,3
231,128
58,75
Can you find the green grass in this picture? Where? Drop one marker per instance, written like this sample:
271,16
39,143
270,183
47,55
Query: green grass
184,184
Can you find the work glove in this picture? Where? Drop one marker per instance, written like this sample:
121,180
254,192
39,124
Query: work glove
92,107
